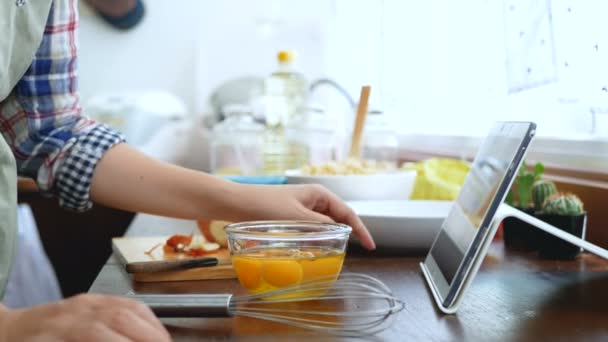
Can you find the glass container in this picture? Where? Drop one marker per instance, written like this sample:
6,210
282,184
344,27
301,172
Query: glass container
237,143
314,133
267,255
380,140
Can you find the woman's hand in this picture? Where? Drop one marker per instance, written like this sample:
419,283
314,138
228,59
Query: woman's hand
299,202
83,318
129,180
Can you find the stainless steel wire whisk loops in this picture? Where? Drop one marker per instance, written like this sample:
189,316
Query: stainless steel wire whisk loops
353,305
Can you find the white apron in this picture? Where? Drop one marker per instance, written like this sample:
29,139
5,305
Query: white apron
22,25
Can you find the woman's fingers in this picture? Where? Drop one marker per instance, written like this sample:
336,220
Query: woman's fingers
320,200
340,212
130,318
83,318
128,323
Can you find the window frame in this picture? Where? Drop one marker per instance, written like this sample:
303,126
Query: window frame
581,158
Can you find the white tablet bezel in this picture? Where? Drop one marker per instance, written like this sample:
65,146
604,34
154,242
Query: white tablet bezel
448,296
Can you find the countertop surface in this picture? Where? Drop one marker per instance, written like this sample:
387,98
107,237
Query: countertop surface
515,296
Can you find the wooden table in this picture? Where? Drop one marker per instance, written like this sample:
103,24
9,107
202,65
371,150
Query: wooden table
516,296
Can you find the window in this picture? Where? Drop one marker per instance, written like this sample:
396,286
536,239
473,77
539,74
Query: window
453,67
456,66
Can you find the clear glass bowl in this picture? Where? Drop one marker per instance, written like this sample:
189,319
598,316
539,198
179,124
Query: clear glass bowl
267,255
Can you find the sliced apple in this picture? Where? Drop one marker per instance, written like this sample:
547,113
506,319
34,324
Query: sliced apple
178,240
213,231
200,248
210,246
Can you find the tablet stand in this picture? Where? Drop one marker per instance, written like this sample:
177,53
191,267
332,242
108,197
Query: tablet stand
506,210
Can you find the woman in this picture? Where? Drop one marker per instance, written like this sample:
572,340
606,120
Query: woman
46,137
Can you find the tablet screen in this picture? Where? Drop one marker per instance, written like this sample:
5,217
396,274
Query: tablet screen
484,189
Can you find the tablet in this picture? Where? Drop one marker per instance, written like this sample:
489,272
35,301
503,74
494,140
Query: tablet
466,232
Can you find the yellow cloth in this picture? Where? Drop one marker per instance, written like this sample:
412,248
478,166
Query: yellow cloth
438,178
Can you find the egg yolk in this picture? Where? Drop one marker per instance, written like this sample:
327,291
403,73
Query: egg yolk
281,273
249,272
321,267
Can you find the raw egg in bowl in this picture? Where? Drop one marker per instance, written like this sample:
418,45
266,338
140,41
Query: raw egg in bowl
269,255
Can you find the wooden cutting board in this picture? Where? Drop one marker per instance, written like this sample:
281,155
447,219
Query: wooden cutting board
133,250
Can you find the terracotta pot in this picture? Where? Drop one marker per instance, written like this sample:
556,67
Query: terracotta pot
551,247
519,235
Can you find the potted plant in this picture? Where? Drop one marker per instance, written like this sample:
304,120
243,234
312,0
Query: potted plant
564,211
541,189
518,234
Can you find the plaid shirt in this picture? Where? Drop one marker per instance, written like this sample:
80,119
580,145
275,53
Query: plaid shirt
42,119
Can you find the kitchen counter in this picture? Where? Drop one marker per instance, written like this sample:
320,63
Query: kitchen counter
515,296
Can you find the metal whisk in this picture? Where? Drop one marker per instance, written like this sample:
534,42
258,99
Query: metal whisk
353,305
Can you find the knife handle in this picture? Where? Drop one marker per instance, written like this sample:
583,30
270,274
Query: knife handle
170,265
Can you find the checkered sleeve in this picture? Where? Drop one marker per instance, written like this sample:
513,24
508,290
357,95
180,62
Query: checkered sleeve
74,176
42,120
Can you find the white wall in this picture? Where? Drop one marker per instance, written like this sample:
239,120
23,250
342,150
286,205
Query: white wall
189,47
440,65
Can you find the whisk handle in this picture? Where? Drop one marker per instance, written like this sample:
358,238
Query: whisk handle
186,305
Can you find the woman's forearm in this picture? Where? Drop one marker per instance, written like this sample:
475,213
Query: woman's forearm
129,180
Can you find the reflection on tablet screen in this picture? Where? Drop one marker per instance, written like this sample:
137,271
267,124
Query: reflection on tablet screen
475,201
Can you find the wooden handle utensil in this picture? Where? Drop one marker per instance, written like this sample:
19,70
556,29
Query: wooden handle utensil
355,146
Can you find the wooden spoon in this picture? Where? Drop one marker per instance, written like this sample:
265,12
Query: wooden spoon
355,146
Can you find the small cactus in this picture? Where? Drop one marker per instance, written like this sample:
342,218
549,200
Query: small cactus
541,189
563,204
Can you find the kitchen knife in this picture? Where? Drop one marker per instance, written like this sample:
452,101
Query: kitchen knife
174,265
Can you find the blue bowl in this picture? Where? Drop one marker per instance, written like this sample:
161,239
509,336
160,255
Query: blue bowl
257,179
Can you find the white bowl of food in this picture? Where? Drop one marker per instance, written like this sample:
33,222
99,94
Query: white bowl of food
354,181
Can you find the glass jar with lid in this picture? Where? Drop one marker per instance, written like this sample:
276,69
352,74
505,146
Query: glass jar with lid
237,143
380,140
314,132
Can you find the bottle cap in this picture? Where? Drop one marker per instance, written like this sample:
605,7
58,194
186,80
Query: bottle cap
285,56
